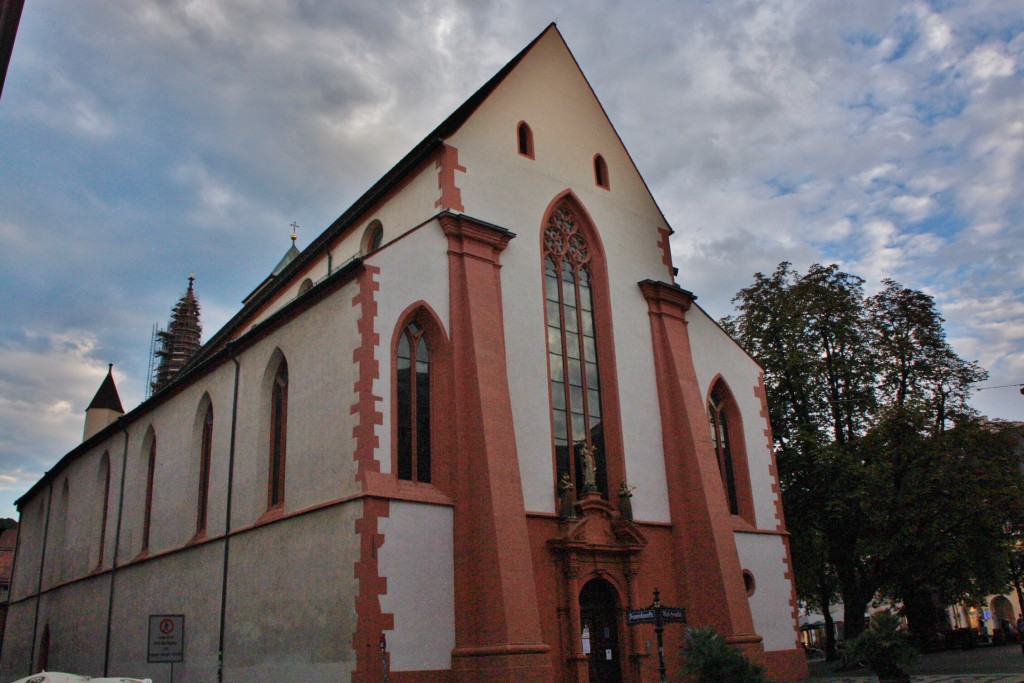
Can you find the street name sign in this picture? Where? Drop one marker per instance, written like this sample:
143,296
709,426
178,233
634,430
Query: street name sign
640,616
673,614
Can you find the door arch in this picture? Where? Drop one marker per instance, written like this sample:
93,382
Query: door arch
599,621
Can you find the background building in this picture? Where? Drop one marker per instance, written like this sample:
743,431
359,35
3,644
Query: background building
459,436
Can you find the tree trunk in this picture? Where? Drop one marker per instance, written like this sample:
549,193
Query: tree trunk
1020,594
853,615
825,600
926,616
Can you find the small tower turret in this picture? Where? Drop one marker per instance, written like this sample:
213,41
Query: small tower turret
181,340
105,407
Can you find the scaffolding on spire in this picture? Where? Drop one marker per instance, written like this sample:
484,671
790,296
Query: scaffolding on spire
180,341
151,367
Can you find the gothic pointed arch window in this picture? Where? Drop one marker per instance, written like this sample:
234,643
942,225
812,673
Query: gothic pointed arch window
278,435
103,481
205,453
412,403
573,361
149,449
730,451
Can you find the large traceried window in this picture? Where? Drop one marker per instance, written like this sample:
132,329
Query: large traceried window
412,389
572,349
278,435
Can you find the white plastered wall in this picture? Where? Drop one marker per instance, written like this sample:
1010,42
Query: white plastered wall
505,188
417,559
319,465
714,353
763,555
412,269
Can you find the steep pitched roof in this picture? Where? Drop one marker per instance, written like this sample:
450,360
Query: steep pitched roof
106,396
388,181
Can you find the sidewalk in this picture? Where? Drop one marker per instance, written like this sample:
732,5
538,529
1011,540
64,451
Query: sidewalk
984,664
931,678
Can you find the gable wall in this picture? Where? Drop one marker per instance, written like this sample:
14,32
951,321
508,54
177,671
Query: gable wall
505,188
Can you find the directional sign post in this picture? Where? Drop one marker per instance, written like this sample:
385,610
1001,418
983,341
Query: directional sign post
658,615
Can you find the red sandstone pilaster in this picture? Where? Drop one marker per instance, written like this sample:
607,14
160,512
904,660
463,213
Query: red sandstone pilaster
702,526
497,623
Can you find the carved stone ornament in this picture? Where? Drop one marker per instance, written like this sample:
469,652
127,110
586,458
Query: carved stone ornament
625,504
566,497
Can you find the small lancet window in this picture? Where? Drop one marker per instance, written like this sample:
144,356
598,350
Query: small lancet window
601,172
278,435
205,451
104,479
412,361
524,137
150,472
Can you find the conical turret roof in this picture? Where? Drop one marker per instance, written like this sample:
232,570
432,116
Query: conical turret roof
106,396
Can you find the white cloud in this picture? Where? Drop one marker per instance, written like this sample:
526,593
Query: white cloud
46,382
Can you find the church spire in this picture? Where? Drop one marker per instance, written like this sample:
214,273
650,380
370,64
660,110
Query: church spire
181,340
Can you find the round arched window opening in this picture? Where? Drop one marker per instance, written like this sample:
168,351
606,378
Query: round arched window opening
748,582
524,138
373,237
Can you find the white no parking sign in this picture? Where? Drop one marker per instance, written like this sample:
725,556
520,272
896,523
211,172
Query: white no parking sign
166,638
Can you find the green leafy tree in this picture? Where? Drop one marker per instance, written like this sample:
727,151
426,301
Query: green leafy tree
873,429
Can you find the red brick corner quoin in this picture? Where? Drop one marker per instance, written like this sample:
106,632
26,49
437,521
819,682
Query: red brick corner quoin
447,164
371,622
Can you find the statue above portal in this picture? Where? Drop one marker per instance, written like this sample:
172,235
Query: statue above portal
589,468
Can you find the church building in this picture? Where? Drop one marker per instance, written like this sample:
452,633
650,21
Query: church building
457,438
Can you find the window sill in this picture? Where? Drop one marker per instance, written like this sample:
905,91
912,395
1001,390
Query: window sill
389,486
272,514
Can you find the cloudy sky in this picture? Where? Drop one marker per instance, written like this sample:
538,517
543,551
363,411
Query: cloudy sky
143,140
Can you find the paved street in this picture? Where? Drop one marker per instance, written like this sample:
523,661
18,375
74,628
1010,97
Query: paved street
985,664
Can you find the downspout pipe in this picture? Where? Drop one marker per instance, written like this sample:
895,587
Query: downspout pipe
227,517
117,546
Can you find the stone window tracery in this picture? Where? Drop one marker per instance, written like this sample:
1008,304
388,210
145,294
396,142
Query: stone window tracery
572,350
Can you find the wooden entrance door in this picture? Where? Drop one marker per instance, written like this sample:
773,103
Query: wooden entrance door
599,617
